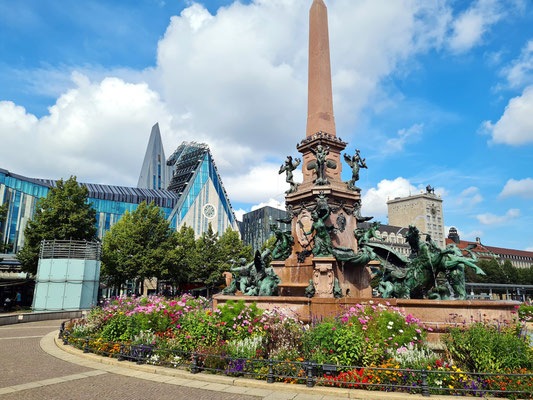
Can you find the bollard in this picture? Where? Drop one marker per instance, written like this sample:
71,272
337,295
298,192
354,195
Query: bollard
86,347
425,388
270,376
121,353
194,364
140,353
310,380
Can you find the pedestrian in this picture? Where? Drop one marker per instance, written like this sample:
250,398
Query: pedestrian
18,299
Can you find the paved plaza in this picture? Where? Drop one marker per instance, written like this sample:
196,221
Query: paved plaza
33,367
28,372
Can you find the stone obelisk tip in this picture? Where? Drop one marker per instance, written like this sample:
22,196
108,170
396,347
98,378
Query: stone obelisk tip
320,100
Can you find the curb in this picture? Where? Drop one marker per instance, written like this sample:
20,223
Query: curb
55,347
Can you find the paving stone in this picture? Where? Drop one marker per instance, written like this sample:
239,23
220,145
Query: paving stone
237,389
29,385
259,392
195,384
217,387
305,396
281,396
178,381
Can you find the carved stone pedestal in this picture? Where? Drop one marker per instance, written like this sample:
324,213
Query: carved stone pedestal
324,276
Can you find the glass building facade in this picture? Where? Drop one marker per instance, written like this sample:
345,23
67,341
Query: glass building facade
110,202
195,196
255,226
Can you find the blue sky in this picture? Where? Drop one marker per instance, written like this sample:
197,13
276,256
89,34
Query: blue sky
432,92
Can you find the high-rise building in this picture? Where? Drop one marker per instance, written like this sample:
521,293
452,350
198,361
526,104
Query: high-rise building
422,210
255,226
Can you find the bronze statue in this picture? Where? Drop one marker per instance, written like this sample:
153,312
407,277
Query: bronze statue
283,244
428,266
355,164
288,167
322,239
320,164
255,278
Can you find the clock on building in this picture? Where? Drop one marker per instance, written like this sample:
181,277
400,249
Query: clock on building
209,211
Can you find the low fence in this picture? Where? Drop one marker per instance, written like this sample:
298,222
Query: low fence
424,381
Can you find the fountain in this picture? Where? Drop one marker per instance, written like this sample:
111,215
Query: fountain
325,263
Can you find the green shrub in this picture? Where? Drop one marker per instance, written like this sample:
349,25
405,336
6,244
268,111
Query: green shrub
334,343
485,348
116,328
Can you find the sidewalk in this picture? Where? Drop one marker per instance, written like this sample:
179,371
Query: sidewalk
218,383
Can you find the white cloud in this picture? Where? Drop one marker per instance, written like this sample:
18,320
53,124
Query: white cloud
530,248
259,183
492,219
520,71
242,74
469,197
236,80
470,26
270,203
97,131
375,199
515,127
409,135
522,188
239,214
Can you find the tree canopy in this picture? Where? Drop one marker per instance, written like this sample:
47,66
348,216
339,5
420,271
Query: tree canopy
501,273
140,245
143,245
63,214
214,255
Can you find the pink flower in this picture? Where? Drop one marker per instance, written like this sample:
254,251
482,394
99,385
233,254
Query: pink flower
333,328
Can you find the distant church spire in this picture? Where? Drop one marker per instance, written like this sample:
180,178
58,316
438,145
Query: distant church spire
320,100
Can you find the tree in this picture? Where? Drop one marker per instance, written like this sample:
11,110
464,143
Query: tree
215,255
63,214
232,249
184,257
207,268
3,215
140,245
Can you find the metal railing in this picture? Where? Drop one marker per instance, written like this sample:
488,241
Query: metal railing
75,249
423,381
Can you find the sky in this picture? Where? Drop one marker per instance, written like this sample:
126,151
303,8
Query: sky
431,91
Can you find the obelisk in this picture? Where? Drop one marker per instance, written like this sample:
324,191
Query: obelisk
320,100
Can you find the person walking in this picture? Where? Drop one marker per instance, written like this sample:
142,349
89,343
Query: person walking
18,299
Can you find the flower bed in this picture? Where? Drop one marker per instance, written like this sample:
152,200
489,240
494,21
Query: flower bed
370,346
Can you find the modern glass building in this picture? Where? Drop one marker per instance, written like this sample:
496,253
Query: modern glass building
195,195
111,202
255,226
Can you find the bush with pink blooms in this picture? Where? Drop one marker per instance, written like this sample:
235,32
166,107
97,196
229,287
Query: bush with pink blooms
363,335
